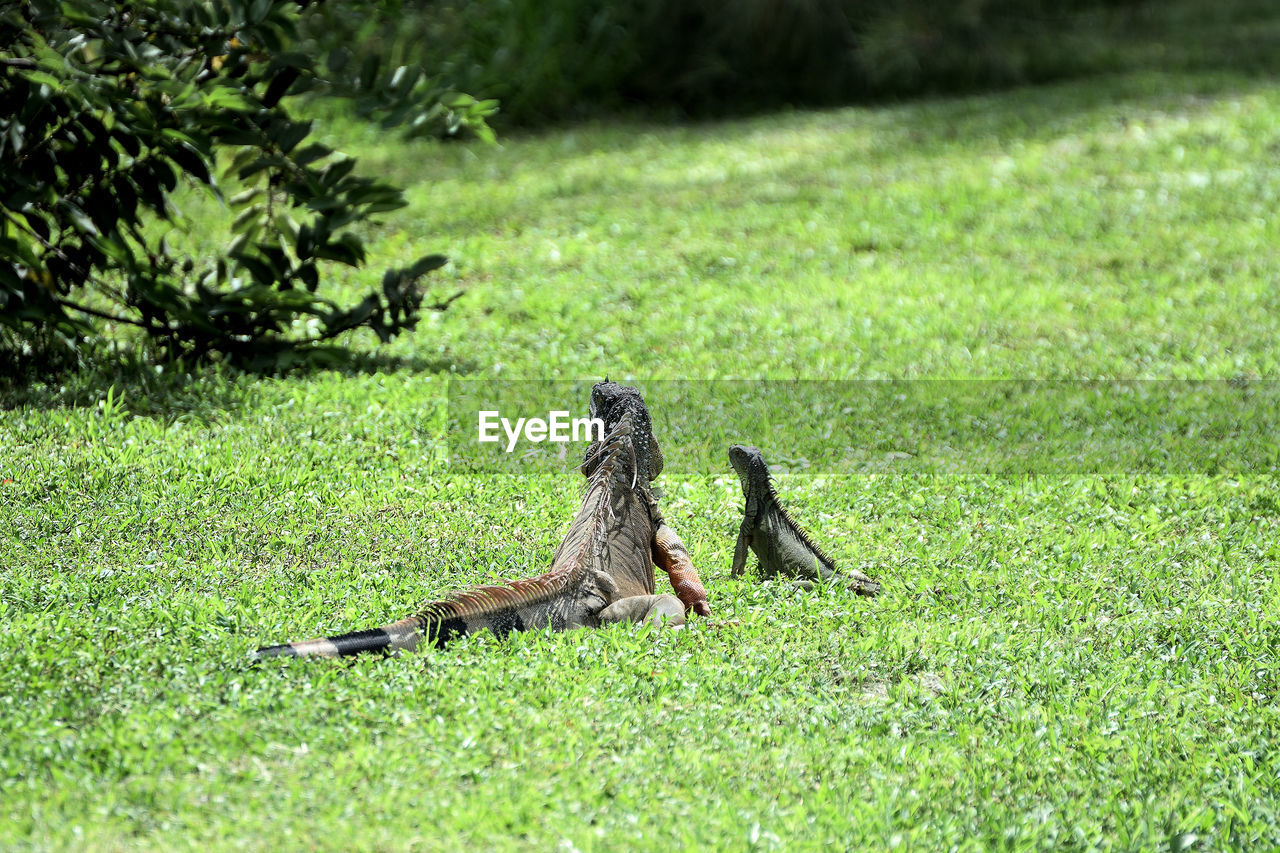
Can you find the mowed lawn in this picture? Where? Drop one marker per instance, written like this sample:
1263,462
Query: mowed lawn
1072,659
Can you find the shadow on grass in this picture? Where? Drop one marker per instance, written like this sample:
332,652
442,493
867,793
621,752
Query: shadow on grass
1150,58
173,392
1227,38
1228,44
176,391
796,144
376,362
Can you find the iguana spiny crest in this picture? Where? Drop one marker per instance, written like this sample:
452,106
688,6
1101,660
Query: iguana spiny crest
620,406
623,411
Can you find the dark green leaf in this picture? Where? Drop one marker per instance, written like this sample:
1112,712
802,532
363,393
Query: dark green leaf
422,266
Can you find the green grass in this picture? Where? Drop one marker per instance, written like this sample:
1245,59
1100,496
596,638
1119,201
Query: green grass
1068,660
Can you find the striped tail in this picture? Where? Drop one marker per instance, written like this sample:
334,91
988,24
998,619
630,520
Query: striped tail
403,636
521,605
545,601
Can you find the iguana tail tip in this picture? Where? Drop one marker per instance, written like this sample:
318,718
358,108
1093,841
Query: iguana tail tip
391,638
266,652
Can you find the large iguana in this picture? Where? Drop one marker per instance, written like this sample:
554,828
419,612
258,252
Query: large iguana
602,573
781,545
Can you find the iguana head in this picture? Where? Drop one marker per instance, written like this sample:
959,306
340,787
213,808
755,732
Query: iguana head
614,403
748,462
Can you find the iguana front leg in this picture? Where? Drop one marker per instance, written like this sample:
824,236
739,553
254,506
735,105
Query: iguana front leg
651,609
740,551
849,578
670,555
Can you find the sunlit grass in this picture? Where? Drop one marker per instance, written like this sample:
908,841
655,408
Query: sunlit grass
1057,661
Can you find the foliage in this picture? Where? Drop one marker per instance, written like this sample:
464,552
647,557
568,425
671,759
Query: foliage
106,108
562,58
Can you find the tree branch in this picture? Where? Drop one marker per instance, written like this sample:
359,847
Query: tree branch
67,303
442,305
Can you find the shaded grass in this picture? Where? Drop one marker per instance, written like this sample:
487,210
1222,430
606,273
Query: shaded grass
1057,661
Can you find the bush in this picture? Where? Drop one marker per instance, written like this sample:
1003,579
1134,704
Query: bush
105,108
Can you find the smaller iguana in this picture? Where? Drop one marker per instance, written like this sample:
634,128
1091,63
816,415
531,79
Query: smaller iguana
782,547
